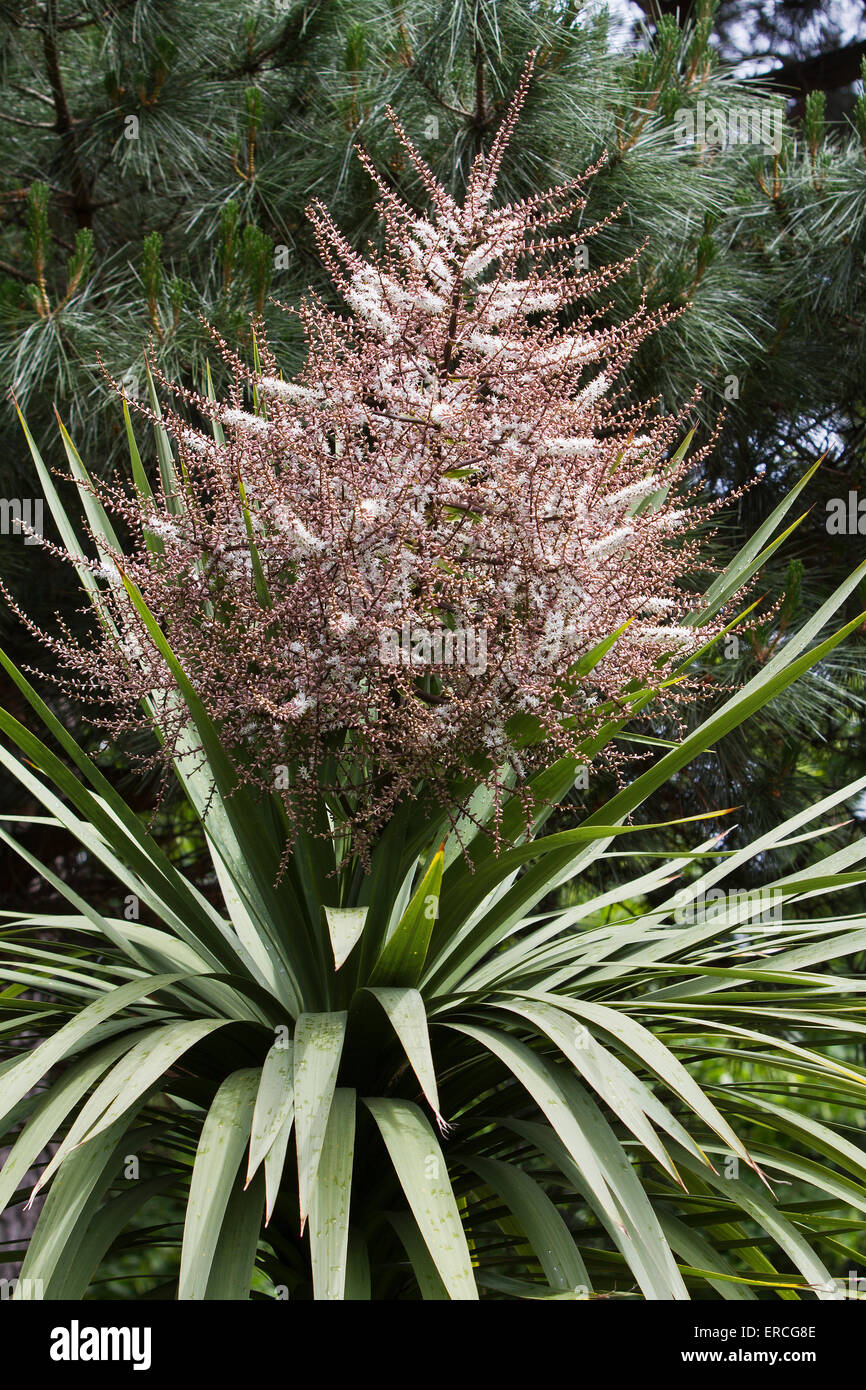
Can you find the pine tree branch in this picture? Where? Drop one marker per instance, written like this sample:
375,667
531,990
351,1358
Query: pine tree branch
30,92
480,107
16,272
289,35
416,68
481,119
31,125
65,125
80,21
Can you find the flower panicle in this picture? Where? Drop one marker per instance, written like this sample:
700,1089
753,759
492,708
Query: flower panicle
398,556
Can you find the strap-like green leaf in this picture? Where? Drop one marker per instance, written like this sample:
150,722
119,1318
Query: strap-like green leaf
427,1275
49,1112
402,959
275,1160
24,1075
149,1060
331,1199
75,1196
80,1261
275,1103
358,1283
231,1271
758,1205
223,1139
596,1154
420,1166
318,1049
405,1008
545,1229
345,925
623,1092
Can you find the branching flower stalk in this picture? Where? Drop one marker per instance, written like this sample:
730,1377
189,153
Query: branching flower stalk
371,572
366,1066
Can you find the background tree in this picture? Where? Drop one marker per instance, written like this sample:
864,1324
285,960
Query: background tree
160,157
